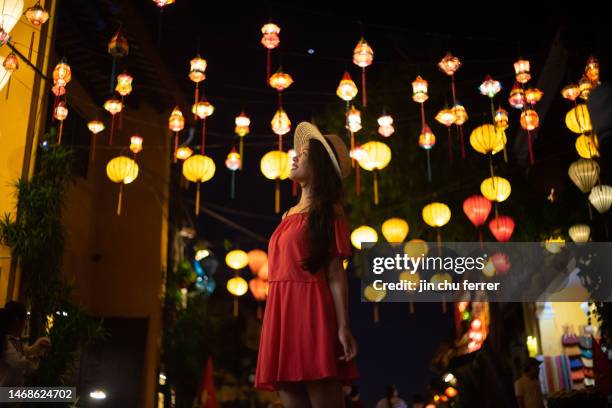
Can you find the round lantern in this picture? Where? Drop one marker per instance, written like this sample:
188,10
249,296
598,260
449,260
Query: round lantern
183,153
554,245
495,189
502,227
280,122
584,173
263,271
347,89
578,119
237,259
363,234
121,170
451,392
259,290
10,14
436,214
363,55
571,92
416,248
395,230
385,126
275,165
37,15
601,198
490,87
11,62
501,262
533,95
580,233
501,119
530,119
203,109
353,120
374,296
517,97
587,146
521,69
427,139
477,209
198,169
419,90
378,156
280,80
62,74
237,287
487,139
257,258
124,84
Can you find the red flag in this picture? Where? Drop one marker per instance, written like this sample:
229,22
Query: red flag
207,395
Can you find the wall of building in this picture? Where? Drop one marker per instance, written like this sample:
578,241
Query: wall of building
553,318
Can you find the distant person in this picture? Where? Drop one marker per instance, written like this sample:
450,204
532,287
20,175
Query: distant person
17,360
527,388
392,399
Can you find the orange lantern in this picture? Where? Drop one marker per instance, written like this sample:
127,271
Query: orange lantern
183,153
263,271
449,64
280,80
136,145
447,117
592,70
419,90
501,119
62,74
585,86
521,69
533,96
242,122
60,113
257,258
113,106
233,163
502,227
259,290
11,63
176,123
37,15
270,40
347,89
571,92
95,127
530,119
363,55
427,140
281,125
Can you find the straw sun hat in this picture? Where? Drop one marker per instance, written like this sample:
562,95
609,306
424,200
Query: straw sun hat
341,159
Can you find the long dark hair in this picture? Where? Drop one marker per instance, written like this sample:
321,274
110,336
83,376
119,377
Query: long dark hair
326,193
9,315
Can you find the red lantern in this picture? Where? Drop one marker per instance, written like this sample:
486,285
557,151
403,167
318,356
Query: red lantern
477,209
502,227
501,262
517,97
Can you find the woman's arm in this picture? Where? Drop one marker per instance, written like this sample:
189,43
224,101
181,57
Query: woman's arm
336,278
15,359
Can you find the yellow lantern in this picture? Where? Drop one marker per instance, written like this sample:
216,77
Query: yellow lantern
461,115
275,166
533,95
591,71
347,89
409,276
385,126
578,119
416,248
375,296
378,156
37,15
446,117
554,245
197,69
530,119
242,123
584,173
183,153
353,120
395,230
427,139
363,55
587,146
580,233
487,139
419,90
436,214
176,122
586,86
113,106
121,170
136,144
124,84
163,3
237,259
571,92
280,80
237,286
202,109
62,74
495,189
280,123
601,198
363,234
198,169
521,69
501,119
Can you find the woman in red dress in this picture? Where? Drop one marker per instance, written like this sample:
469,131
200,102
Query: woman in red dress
306,350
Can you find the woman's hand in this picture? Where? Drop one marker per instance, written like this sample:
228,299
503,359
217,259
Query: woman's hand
349,345
41,345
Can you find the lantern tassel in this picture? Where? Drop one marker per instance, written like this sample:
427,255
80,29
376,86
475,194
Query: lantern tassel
450,145
121,114
357,181
491,165
428,166
453,89
530,147
61,129
363,87
112,130
203,136
462,142
235,306
277,197
422,116
175,146
120,199
241,150
197,204
294,188
93,148
375,187
411,307
233,182
352,148
196,97
280,143
259,311
268,67
376,316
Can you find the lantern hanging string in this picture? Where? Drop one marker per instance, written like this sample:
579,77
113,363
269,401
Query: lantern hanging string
428,166
450,145
233,185
375,187
357,181
363,87
120,198
61,128
376,317
112,130
197,203
202,149
176,144
277,197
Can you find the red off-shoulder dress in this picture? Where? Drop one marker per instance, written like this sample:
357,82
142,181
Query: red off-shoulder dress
299,337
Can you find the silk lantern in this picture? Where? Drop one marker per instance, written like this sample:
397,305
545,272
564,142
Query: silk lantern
121,170
521,69
197,74
237,286
395,230
449,65
113,106
270,40
202,110
378,156
447,118
123,88
10,14
184,152
237,259
257,258
274,165
533,96
488,140
477,209
233,162
385,125
436,215
501,119
118,47
461,117
281,125
363,55
517,97
347,89
530,121
571,92
242,129
584,173
495,189
586,86
136,145
427,140
578,119
95,127
198,169
363,234
502,227
601,198
591,71
60,113
587,146
580,233
176,123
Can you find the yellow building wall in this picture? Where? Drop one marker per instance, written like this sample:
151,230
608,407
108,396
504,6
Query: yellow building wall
18,99
552,321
